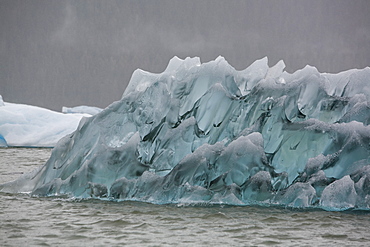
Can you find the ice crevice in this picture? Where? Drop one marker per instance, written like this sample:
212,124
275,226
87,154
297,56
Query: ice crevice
207,133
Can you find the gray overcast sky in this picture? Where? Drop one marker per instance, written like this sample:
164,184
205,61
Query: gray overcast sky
68,53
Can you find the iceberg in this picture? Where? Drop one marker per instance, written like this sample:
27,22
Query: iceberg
207,133
91,110
31,126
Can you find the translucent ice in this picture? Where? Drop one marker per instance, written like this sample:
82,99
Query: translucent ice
206,133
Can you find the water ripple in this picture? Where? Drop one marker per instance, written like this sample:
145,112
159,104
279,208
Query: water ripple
30,221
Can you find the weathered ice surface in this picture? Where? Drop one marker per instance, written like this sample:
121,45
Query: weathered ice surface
206,133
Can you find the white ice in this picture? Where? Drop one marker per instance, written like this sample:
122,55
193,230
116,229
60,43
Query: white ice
30,126
91,110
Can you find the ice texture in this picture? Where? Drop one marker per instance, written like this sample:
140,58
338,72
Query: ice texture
207,133
31,126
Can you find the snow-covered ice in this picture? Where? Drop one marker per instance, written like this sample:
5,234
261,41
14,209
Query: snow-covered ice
206,133
30,126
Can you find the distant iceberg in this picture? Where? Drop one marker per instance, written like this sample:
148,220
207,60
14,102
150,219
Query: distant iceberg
30,126
91,110
206,133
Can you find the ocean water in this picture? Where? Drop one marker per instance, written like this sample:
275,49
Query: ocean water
31,221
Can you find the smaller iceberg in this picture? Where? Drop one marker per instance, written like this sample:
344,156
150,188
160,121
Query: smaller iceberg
91,110
30,126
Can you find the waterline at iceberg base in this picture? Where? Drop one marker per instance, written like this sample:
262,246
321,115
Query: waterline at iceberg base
206,133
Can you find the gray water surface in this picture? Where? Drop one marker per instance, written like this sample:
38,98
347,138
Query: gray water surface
31,221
